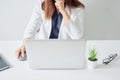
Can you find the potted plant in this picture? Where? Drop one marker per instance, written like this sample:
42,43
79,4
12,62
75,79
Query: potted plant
92,60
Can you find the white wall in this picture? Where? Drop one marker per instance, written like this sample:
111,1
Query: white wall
14,16
101,18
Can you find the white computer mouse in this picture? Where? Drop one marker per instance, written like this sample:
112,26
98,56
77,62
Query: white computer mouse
21,58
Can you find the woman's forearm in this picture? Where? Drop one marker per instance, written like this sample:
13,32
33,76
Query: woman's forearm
66,17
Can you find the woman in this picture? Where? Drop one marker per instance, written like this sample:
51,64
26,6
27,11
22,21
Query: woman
54,19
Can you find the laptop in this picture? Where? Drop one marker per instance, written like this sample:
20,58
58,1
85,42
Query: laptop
56,54
3,63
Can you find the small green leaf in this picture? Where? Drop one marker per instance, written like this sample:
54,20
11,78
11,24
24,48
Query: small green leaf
92,54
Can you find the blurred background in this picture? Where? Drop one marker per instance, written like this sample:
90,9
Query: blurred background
101,20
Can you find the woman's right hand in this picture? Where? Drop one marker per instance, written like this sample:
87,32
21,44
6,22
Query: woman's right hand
21,51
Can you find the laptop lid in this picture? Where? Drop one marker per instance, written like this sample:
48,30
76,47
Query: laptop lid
56,54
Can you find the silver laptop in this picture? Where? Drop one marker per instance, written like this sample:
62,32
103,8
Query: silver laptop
56,54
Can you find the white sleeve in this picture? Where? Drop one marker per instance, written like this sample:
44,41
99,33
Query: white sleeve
74,27
34,23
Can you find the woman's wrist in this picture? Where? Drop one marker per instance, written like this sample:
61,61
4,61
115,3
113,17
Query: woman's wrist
24,41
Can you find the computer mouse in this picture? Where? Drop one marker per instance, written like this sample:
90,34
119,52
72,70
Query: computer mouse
21,58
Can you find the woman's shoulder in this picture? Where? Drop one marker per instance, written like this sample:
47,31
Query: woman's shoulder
77,10
38,7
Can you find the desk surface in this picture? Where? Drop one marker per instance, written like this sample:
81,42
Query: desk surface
21,71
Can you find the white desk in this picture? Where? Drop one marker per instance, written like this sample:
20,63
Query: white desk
21,71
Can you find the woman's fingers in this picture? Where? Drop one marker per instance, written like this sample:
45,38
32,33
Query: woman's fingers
22,51
18,53
56,5
59,5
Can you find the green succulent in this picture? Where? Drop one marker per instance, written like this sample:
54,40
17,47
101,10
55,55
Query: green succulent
92,55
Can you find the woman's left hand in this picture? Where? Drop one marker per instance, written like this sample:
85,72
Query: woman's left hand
60,5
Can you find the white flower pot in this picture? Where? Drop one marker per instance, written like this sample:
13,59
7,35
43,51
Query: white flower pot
91,64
